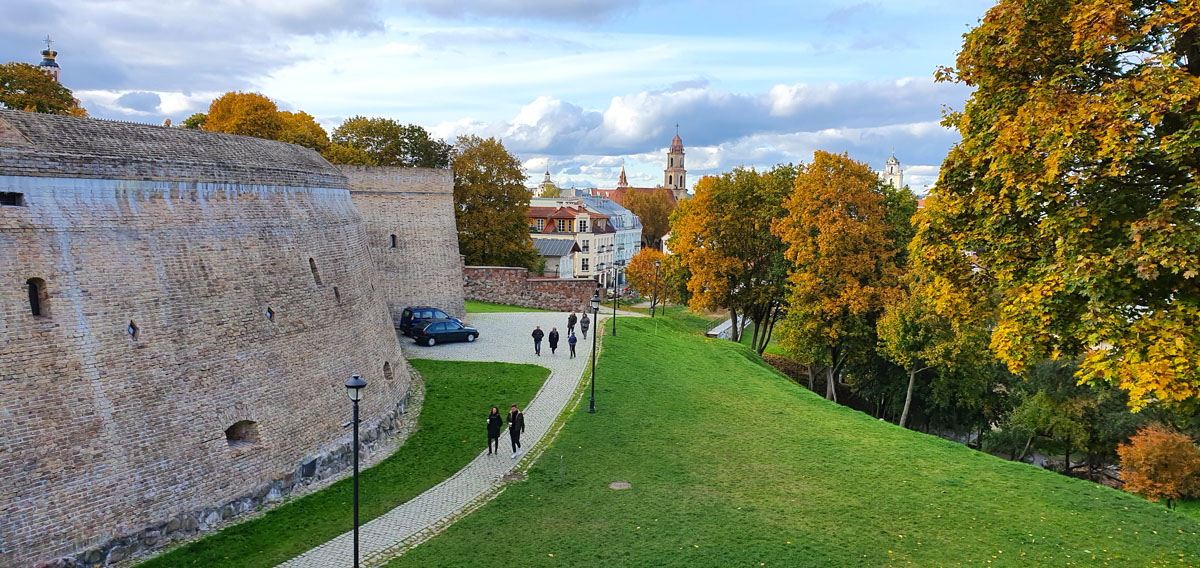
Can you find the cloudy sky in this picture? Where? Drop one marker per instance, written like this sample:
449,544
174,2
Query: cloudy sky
575,87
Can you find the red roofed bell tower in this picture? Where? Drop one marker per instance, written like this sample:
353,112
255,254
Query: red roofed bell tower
675,176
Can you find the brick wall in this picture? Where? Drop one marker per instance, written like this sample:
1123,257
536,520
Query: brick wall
412,208
104,433
513,286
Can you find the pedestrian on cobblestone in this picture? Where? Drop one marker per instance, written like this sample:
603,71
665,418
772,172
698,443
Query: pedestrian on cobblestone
571,339
494,422
571,321
553,339
584,324
538,334
516,425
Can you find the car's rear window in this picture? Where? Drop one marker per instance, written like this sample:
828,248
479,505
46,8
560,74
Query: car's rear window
427,314
407,314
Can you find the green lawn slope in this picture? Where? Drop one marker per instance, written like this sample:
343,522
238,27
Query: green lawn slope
474,307
733,465
450,433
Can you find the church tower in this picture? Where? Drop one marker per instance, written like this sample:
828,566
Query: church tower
48,65
622,181
892,175
675,176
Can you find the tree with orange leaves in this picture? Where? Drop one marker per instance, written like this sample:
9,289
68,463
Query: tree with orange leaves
837,237
1075,185
248,114
1159,463
645,277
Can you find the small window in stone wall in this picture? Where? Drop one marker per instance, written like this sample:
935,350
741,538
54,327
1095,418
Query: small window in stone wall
337,295
270,314
242,433
12,199
387,370
133,330
39,299
312,265
392,241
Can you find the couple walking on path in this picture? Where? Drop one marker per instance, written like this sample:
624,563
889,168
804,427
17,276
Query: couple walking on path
538,334
516,425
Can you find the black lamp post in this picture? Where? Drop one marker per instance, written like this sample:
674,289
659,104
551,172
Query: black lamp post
654,302
595,318
615,296
354,389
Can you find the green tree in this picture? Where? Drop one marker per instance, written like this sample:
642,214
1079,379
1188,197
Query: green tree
25,87
1074,188
490,201
349,155
836,232
248,114
390,143
551,190
654,210
196,121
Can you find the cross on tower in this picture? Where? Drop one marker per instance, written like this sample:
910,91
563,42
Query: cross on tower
48,41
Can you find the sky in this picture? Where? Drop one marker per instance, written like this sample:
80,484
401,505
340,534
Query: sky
574,87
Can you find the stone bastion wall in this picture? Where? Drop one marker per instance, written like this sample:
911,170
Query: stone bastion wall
178,314
513,286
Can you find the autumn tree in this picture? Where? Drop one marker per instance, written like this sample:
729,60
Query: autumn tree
490,201
1074,188
1161,464
301,128
653,209
248,114
196,121
646,277
25,87
389,143
723,237
836,234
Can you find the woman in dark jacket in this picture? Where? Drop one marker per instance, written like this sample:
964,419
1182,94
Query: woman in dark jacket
494,422
553,337
516,425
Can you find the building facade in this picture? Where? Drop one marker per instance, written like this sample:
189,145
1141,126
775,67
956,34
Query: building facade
570,219
892,174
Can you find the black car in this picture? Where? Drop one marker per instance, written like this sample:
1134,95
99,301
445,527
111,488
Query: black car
443,331
414,316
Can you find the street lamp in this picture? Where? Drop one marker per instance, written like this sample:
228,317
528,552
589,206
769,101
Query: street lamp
596,319
615,296
354,390
654,302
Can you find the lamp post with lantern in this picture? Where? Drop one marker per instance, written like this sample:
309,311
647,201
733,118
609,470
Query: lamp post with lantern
595,318
654,302
354,389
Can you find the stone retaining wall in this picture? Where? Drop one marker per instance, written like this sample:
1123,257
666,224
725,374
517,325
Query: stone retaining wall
513,286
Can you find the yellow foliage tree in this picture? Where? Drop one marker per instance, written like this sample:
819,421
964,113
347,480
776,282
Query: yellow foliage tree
301,128
645,277
248,114
1161,464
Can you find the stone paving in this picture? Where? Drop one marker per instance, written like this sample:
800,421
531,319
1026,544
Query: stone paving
502,337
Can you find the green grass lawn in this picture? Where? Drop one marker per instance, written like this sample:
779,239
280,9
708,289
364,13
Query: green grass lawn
731,464
458,396
474,307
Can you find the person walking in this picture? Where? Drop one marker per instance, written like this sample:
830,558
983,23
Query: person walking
571,321
571,339
538,334
584,324
494,422
516,425
553,339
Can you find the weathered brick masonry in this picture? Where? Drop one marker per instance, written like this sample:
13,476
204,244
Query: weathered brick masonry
409,214
188,282
513,286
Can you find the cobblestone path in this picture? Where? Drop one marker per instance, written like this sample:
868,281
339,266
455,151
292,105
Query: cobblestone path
503,337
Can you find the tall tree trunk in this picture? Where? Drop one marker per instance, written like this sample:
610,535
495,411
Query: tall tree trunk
912,379
1068,457
1021,457
810,377
770,326
735,332
830,384
757,327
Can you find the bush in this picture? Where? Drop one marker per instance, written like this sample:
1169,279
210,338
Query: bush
1161,463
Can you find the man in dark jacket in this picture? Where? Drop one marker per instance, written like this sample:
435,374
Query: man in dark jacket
553,339
516,425
538,334
571,321
571,340
584,324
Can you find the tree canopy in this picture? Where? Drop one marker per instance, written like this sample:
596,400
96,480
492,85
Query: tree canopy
654,211
389,143
648,279
25,87
248,114
490,201
1075,185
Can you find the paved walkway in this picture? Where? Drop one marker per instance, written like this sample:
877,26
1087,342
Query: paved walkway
502,337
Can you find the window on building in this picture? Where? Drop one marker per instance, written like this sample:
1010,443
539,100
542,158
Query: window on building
270,313
242,433
584,265
39,299
541,225
670,180
392,241
312,265
387,371
583,225
562,225
585,245
132,329
12,199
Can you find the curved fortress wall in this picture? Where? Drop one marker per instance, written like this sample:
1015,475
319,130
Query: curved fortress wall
201,300
413,238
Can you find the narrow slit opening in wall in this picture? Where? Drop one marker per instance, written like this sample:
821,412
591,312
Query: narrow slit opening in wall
337,295
387,370
132,329
12,199
242,433
392,241
39,299
312,265
270,314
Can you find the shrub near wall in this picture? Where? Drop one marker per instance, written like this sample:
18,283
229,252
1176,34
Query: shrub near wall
513,286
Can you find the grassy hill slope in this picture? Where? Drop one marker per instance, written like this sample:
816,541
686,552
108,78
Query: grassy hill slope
733,465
